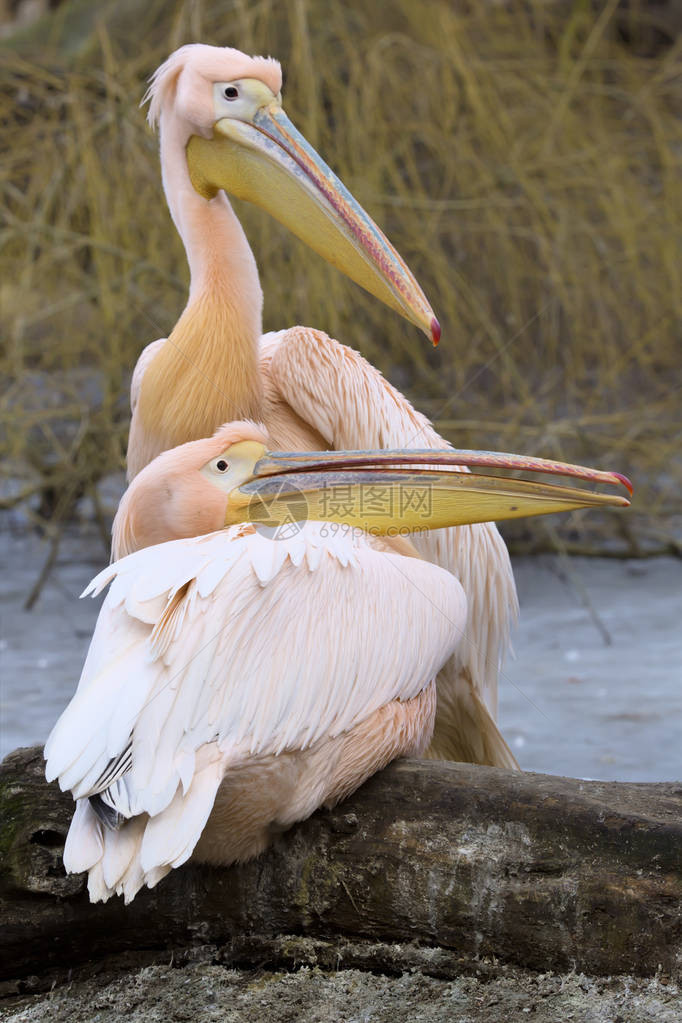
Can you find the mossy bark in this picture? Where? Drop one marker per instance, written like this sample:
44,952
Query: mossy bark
538,871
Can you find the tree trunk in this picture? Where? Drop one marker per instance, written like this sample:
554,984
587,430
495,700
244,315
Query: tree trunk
457,861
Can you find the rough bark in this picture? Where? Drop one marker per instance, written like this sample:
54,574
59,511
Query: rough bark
538,871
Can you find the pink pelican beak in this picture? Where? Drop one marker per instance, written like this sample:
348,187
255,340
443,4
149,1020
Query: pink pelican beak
266,161
382,492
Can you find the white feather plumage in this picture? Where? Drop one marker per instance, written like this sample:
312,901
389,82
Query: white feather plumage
350,403
212,650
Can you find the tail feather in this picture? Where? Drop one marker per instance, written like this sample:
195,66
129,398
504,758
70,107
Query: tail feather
121,855
465,730
170,837
121,849
132,880
97,889
152,877
84,843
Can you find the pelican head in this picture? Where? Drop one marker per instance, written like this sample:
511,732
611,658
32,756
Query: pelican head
225,109
232,478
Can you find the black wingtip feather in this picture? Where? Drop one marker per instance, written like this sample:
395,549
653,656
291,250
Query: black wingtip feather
109,817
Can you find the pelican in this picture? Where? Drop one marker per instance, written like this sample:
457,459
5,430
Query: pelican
223,130
237,681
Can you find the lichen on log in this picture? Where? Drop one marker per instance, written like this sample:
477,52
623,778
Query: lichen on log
539,871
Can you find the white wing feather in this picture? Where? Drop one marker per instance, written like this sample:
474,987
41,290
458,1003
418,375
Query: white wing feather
268,646
349,402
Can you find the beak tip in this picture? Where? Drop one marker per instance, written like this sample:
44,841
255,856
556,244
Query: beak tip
625,481
435,331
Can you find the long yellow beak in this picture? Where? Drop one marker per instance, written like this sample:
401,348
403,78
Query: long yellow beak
269,163
370,491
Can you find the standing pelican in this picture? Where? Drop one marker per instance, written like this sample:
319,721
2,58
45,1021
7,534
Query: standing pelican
251,680
222,129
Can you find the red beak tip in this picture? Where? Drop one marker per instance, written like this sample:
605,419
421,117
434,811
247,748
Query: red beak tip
435,332
625,481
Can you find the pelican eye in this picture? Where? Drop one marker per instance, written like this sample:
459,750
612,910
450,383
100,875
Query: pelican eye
221,465
231,92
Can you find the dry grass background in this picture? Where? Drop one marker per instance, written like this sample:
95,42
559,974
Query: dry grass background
524,160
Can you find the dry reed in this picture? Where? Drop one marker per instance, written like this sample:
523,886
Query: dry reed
524,160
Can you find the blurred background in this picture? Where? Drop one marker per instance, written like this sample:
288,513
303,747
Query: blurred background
524,158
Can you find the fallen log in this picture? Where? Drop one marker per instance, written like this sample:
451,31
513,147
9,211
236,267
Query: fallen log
544,872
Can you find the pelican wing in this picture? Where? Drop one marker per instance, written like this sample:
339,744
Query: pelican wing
348,401
144,360
339,397
211,650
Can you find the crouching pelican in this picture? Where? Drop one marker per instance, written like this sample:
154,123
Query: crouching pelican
223,130
236,682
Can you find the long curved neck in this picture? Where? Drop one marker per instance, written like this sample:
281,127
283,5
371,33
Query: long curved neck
220,259
207,372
